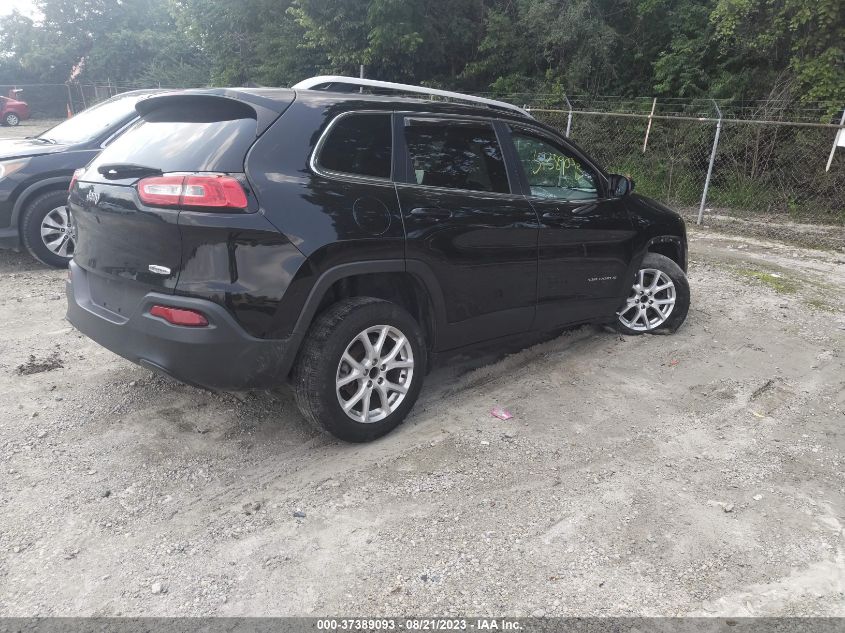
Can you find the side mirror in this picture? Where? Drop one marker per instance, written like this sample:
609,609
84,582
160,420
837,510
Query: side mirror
620,185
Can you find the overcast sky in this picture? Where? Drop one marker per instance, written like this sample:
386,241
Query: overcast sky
24,6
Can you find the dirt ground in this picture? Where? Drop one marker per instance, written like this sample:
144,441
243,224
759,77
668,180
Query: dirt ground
700,473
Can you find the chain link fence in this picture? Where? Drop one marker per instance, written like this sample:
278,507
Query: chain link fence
759,167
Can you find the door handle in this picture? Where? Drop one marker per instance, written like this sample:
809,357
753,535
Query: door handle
554,215
431,212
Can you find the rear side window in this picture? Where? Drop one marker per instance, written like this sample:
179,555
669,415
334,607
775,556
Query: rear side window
359,145
186,137
456,155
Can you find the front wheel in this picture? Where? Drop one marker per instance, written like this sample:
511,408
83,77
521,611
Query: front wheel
360,369
47,229
659,299
11,119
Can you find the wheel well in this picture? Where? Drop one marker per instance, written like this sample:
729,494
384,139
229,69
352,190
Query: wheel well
32,195
400,288
668,249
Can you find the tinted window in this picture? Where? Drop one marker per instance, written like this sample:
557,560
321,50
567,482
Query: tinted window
358,144
457,155
553,172
183,137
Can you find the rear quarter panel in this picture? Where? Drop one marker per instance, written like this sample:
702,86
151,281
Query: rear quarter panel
240,261
318,214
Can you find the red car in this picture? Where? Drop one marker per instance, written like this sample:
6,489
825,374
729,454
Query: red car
13,111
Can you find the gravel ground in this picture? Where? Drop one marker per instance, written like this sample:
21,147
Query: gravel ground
700,473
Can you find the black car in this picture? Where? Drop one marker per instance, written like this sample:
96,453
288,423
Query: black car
244,238
35,174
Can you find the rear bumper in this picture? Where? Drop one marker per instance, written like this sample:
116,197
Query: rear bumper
220,356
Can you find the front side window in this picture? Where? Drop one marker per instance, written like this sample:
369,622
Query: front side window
552,172
456,155
359,145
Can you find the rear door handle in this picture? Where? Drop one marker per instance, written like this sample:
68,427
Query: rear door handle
431,212
553,215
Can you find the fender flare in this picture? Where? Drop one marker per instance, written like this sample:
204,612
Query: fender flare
27,194
416,268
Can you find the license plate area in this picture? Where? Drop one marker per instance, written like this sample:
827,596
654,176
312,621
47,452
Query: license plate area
119,297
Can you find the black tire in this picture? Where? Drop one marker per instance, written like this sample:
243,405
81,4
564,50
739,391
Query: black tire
11,119
33,216
316,370
682,296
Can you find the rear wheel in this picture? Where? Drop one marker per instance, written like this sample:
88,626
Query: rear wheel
659,299
360,369
47,229
11,119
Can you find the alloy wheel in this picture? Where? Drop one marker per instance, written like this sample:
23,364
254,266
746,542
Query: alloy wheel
57,232
374,373
12,119
651,301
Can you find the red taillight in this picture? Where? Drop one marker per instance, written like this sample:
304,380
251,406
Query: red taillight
213,191
192,191
179,316
75,177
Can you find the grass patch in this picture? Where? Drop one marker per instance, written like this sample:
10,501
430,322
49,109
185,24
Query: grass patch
776,281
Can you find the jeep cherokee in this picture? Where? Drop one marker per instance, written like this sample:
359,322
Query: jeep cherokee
338,241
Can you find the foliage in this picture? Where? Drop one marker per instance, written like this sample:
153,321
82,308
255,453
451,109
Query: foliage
96,40
742,49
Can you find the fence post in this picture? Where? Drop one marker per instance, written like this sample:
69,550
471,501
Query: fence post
69,100
568,118
648,127
836,141
710,166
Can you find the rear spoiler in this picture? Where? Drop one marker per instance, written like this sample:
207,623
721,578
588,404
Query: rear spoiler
264,108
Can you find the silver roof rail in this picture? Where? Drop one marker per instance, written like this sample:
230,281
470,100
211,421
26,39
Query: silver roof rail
326,80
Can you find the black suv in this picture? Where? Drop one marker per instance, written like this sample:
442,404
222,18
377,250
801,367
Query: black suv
244,238
35,173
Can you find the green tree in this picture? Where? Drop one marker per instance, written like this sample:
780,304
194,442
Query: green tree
742,49
543,43
97,40
804,37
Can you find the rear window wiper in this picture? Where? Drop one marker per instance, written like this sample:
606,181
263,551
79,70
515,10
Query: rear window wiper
116,171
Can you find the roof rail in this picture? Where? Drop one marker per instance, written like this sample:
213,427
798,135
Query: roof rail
327,80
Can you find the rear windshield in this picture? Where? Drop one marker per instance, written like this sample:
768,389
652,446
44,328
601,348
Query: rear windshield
186,137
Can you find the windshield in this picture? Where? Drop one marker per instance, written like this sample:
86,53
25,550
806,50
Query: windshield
91,123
